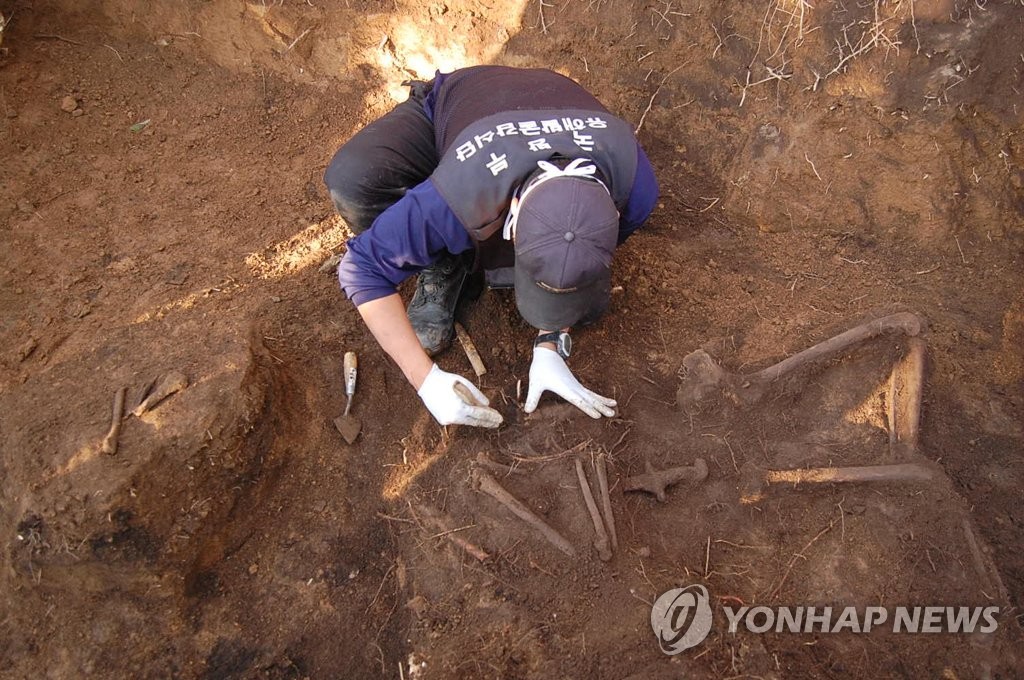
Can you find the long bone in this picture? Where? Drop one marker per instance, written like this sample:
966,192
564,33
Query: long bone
606,499
755,482
483,481
601,542
903,401
705,376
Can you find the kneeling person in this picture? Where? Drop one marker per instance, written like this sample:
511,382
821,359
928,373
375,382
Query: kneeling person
519,172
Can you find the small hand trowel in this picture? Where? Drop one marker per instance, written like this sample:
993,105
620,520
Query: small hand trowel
348,425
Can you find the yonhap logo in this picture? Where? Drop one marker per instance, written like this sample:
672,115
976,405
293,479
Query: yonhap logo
681,618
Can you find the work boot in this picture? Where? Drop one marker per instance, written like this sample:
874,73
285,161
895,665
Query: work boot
432,310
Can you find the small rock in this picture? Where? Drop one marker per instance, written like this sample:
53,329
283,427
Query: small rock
26,206
643,551
330,265
11,113
77,112
78,310
26,349
274,298
123,266
69,104
253,568
176,277
857,509
418,606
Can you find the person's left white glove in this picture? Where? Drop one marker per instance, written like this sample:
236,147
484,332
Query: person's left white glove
440,394
550,372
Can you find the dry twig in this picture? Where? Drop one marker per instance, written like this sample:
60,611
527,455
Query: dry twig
543,23
643,116
799,555
53,36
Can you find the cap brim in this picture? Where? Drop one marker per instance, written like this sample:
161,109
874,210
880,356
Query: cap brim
550,311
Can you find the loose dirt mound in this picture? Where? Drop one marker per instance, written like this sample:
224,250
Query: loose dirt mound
162,210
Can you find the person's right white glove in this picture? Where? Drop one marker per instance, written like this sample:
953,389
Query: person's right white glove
550,372
449,407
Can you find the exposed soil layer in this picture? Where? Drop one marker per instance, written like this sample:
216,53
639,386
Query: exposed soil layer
161,209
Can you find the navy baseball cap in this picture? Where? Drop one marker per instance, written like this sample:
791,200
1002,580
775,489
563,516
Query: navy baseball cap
566,231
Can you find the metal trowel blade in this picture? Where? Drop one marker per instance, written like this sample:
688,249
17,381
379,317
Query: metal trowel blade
349,427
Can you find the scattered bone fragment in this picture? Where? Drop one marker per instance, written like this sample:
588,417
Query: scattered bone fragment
144,392
483,481
444,526
486,461
986,570
601,542
109,445
657,481
906,385
165,386
606,500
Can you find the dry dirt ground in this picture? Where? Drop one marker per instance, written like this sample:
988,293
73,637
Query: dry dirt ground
161,210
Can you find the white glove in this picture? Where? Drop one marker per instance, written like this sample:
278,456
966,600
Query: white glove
549,372
449,407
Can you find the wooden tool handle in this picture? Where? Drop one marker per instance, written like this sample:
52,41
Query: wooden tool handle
471,352
466,395
351,370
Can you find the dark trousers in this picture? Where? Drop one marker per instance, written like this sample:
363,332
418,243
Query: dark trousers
391,155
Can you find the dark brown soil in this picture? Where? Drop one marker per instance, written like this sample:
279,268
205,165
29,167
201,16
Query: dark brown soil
174,219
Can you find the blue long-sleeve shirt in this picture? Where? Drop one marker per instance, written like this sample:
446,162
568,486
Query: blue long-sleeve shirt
408,236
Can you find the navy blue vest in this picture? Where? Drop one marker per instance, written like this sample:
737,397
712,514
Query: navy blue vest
493,123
